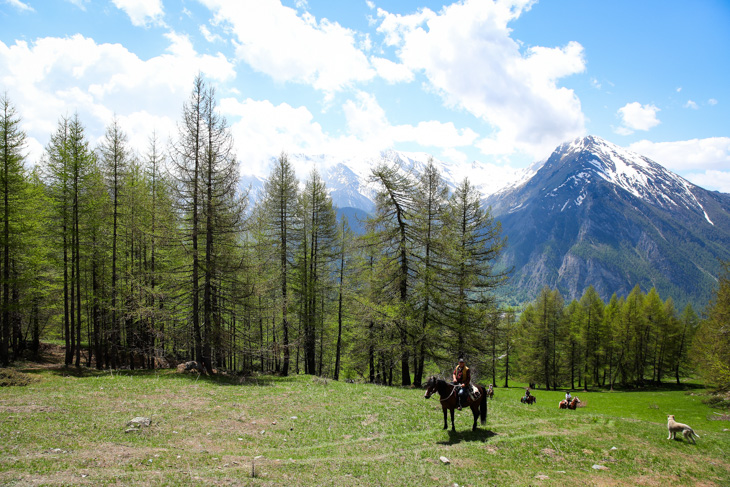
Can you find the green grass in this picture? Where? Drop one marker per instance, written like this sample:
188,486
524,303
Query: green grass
69,429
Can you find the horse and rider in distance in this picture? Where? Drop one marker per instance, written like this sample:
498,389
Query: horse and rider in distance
569,402
528,398
458,394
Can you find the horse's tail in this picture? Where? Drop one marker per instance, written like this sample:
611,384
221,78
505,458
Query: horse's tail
483,408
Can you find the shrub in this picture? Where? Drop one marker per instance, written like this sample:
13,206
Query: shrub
10,377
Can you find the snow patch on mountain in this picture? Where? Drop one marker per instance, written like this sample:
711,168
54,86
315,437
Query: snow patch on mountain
636,174
348,179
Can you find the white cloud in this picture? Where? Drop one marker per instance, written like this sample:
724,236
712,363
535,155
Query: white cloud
142,12
367,122
712,180
687,155
623,131
635,116
209,36
23,7
262,130
277,41
55,77
468,56
691,104
433,133
390,71
712,101
79,3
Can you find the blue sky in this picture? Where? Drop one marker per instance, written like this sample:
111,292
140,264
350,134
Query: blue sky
499,82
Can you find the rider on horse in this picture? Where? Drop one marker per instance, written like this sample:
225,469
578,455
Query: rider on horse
462,377
568,397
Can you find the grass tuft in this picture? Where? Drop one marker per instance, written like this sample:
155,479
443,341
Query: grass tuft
12,377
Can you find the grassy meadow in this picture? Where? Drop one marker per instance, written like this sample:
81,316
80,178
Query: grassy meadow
70,428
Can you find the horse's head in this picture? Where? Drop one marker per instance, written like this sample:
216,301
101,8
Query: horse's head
430,386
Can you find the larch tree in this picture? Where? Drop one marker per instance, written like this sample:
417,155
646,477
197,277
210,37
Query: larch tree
591,334
688,323
280,200
187,155
114,155
430,200
711,343
222,217
345,240
12,185
540,331
316,257
475,242
68,163
395,209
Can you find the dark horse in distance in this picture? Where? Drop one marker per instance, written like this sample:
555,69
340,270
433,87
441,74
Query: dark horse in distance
448,392
528,400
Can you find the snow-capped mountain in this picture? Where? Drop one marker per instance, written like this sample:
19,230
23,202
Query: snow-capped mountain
597,214
348,183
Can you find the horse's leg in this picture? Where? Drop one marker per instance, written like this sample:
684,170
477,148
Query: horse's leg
446,422
453,428
475,412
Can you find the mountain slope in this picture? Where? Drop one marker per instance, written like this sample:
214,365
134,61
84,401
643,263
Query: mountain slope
597,214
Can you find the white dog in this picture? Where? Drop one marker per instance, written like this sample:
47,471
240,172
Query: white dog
675,428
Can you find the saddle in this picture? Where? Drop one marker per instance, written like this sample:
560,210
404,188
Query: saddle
473,392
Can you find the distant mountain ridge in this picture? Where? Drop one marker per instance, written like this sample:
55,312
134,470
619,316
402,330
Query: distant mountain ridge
348,179
593,213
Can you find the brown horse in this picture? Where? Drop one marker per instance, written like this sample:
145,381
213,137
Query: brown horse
564,404
448,393
528,399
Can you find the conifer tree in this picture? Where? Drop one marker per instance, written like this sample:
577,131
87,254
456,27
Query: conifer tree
591,334
98,225
688,323
207,177
711,344
318,240
430,201
114,156
69,161
393,222
471,279
12,185
345,239
540,338
280,200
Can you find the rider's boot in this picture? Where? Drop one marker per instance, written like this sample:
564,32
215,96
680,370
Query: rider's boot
458,402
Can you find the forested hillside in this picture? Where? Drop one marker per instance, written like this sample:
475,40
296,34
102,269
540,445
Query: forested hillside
147,260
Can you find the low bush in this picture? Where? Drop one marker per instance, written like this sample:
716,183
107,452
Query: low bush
10,377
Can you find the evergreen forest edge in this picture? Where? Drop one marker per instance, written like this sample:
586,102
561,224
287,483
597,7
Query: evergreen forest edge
145,261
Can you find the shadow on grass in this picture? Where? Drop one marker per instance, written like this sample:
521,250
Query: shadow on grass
455,437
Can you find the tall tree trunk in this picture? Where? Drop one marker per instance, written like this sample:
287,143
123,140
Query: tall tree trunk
338,348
